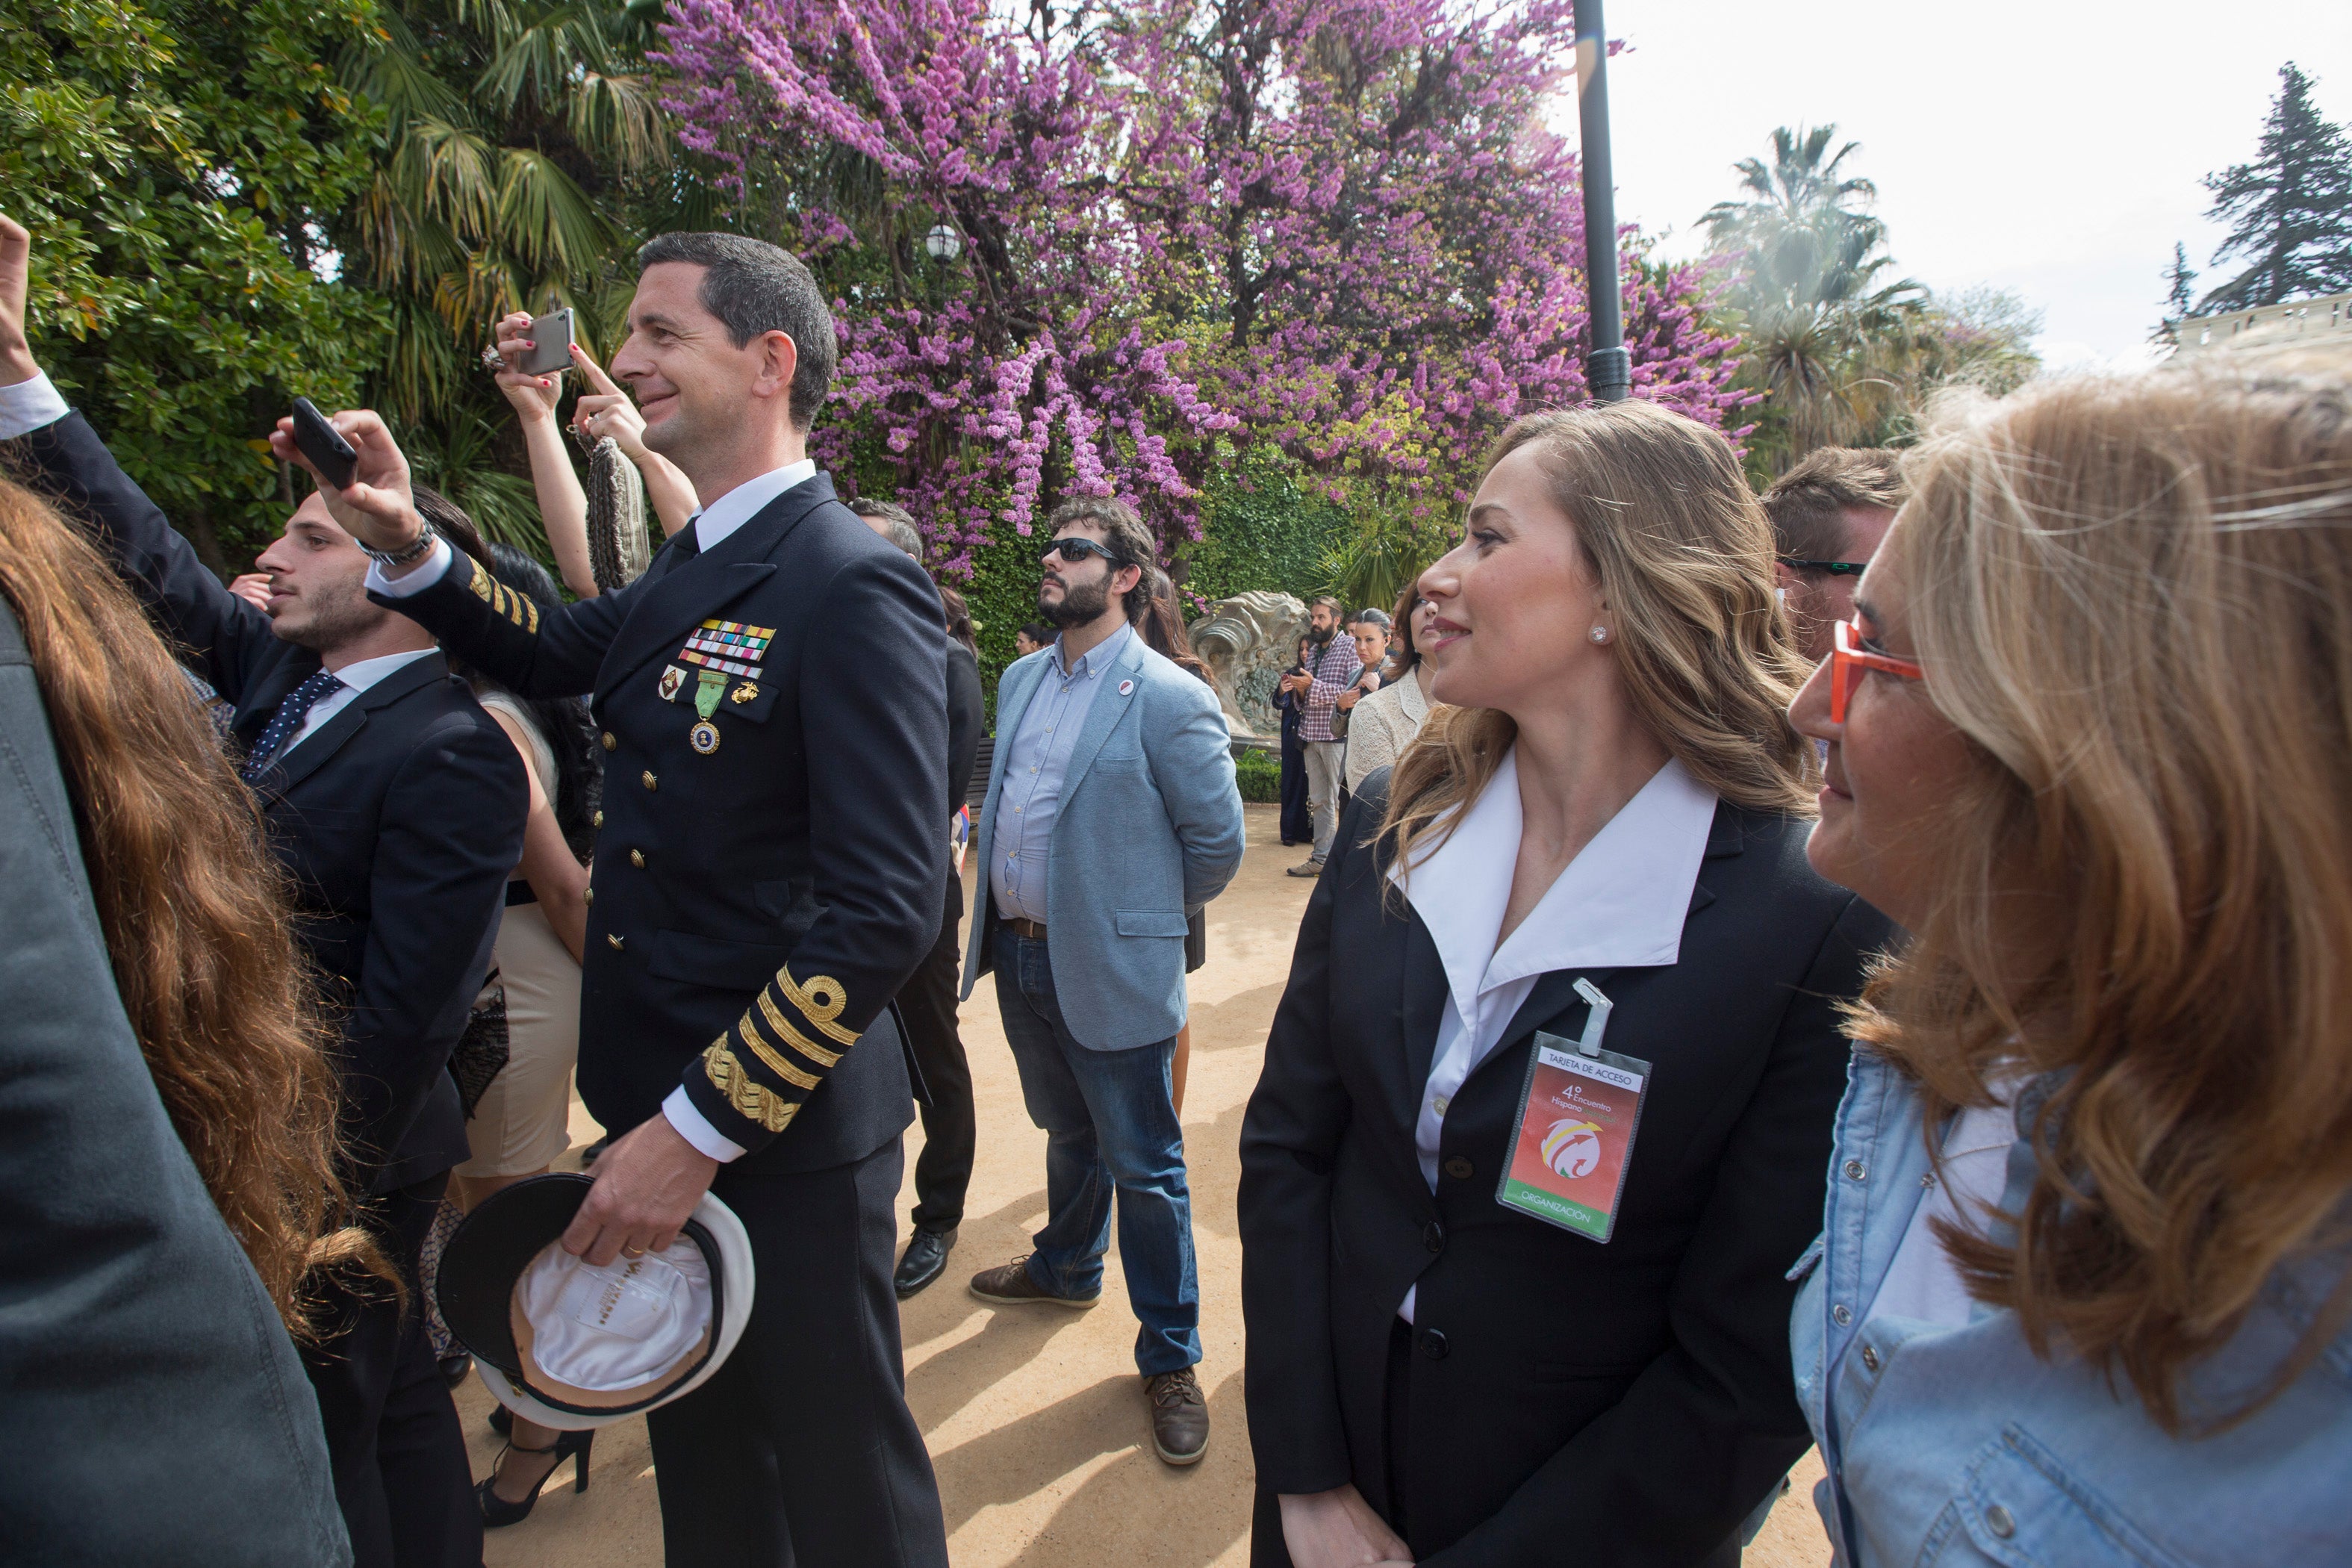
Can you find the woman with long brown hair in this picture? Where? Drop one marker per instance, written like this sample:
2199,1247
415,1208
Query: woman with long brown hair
1546,1103
2088,1255
191,910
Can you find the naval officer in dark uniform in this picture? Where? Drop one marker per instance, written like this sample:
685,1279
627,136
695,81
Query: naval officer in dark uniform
771,696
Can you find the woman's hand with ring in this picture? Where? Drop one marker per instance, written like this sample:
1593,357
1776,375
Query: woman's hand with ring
534,396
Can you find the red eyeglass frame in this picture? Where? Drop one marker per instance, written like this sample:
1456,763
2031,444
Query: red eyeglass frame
1848,660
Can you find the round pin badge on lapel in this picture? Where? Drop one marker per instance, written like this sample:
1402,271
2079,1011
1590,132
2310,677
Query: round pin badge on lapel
1125,686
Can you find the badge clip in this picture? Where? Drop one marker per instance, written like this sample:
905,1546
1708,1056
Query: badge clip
1596,1023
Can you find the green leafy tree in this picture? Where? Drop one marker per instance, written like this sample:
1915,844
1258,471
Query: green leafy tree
2290,210
179,163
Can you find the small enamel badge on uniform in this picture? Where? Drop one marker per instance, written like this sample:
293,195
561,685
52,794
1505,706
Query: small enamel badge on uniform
671,679
1125,686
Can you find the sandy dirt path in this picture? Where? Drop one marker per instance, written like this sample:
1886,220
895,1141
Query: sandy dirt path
1035,1418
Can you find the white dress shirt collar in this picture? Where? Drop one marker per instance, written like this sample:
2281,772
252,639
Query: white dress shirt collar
739,506
1621,903
361,674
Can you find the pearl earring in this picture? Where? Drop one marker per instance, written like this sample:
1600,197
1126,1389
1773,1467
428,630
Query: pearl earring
1601,634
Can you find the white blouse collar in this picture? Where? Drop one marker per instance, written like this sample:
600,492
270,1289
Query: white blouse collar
1621,903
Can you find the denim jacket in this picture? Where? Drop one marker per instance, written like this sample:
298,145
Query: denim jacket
1958,1447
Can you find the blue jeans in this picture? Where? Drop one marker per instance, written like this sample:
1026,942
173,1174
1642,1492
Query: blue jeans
1109,1122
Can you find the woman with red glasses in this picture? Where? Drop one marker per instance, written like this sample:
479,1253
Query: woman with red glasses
2082,1289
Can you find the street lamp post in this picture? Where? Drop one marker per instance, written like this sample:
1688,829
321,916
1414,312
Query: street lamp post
942,243
1608,369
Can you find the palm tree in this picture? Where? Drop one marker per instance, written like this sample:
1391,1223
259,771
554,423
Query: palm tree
523,139
1828,336
1798,190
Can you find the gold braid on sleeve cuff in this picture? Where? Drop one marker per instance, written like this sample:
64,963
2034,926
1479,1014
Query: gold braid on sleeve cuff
768,1065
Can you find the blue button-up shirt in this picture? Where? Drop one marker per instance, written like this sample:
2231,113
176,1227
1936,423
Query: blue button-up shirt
1977,1452
1021,835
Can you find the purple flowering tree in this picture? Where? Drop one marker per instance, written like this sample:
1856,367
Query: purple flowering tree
1334,227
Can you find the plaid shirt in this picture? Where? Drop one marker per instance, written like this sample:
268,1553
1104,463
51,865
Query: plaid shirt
1335,670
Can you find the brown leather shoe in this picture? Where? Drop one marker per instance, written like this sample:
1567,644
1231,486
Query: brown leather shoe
1010,1285
1179,1416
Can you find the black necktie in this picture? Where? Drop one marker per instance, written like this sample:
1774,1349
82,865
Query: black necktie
285,720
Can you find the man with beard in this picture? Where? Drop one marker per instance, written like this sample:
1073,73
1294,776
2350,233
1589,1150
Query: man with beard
397,807
771,699
1332,669
1111,816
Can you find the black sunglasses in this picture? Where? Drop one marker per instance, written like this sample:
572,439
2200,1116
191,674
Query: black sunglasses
1835,568
1074,549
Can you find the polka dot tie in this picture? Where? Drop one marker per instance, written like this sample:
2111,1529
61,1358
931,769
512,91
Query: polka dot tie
285,720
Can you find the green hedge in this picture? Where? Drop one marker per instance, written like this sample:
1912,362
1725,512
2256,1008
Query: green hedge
1259,530
1260,776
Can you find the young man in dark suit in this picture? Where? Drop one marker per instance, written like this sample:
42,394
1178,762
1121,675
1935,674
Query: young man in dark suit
771,696
396,805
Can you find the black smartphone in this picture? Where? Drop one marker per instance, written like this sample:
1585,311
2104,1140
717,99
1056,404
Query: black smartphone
335,459
552,336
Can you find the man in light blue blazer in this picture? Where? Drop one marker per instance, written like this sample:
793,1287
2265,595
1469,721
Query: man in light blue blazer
1111,816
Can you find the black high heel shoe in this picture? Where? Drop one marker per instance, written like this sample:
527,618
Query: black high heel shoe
497,1510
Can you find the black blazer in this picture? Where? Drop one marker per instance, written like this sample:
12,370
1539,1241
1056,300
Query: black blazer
1626,1403
155,1410
757,900
964,717
400,819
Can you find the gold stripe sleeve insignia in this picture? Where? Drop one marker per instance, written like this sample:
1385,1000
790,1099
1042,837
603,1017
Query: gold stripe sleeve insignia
821,1000
794,1038
767,1053
750,1099
481,583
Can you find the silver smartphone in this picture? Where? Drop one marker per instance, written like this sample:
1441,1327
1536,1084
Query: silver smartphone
552,334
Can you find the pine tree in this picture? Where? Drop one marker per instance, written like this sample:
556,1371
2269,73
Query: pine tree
2290,209
2179,302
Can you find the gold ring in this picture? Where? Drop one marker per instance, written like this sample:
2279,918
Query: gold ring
633,1252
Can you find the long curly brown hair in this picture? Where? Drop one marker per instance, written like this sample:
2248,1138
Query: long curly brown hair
196,912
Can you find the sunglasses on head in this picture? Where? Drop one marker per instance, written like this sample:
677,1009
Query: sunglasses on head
1835,568
1848,660
1074,548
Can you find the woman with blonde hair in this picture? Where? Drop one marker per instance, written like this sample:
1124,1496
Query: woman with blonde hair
2089,738
1546,1103
157,1411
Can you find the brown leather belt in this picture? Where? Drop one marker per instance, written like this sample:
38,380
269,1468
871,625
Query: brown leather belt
1034,929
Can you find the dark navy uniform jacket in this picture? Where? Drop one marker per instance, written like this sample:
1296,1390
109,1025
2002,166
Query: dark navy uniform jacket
767,876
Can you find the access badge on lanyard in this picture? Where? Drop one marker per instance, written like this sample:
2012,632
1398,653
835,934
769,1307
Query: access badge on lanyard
1579,1112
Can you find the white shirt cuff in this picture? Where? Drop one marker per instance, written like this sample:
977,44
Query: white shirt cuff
434,566
695,1129
30,404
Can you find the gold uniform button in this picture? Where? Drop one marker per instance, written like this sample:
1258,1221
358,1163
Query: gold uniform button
636,858
588,897
610,743
599,819
650,782
615,941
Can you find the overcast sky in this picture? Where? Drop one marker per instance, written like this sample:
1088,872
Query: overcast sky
2052,147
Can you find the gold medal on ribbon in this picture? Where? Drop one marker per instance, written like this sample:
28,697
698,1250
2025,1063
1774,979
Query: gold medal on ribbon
708,687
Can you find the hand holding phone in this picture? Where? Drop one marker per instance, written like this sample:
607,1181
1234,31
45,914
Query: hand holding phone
373,503
551,344
332,459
